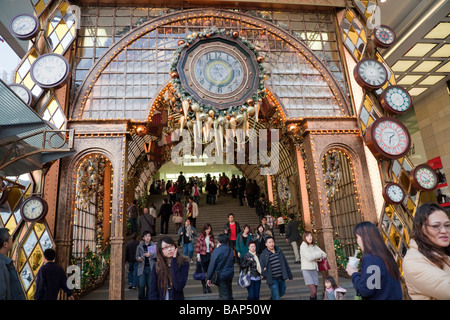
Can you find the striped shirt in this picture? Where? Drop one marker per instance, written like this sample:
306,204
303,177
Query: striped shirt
275,265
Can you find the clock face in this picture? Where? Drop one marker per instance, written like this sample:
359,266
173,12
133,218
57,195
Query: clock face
50,70
388,138
24,26
425,178
396,100
393,193
383,36
370,74
34,209
219,72
23,92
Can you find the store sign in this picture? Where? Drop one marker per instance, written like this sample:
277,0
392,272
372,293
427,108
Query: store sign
442,190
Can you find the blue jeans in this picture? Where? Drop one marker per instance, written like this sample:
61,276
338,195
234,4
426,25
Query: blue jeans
133,225
277,289
253,290
132,274
144,283
188,249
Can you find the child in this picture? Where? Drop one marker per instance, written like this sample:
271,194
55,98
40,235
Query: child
280,224
332,290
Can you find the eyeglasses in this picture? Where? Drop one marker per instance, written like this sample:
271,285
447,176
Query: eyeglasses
438,227
167,247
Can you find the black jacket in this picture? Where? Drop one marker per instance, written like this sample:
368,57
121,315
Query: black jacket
266,268
249,262
50,279
130,251
165,211
292,233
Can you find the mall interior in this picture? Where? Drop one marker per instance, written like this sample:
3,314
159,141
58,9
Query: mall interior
327,103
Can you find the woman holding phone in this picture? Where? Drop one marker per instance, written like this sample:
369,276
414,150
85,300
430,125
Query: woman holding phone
170,274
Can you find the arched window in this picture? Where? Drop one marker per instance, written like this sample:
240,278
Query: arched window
343,198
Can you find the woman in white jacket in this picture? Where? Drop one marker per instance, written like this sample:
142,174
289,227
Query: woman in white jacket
310,254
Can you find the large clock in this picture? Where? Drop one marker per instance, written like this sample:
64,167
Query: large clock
393,193
396,100
34,209
50,70
24,27
388,138
383,36
219,71
370,74
423,177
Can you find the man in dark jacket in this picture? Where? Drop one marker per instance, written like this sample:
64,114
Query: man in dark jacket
165,211
293,236
275,269
130,257
261,207
50,279
10,287
222,261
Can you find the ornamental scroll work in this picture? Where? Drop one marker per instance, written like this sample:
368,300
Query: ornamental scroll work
332,173
219,79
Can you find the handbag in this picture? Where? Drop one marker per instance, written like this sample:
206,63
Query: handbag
244,279
177,219
323,265
216,275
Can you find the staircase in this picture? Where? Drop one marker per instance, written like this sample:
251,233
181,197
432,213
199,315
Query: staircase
217,216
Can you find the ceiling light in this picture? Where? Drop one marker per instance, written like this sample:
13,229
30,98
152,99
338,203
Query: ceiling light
445,68
420,49
416,91
442,52
409,79
402,65
430,80
441,31
426,66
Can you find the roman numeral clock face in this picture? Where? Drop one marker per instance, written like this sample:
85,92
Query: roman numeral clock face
423,178
388,138
393,193
34,209
219,71
370,74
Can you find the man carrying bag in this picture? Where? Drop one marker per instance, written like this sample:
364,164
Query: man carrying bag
221,268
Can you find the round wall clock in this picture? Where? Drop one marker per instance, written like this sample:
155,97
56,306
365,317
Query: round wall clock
423,177
219,71
50,70
23,92
393,193
24,27
370,74
388,138
383,36
34,209
396,100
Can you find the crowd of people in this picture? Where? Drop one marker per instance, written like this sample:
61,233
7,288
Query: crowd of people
426,265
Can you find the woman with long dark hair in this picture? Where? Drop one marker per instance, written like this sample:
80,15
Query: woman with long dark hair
170,273
379,278
204,248
426,266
